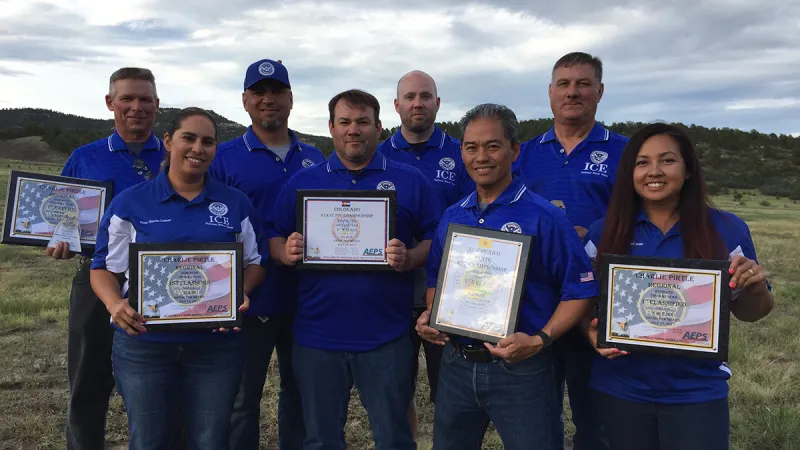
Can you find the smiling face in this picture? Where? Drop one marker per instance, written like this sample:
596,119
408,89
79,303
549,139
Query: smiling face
574,93
192,146
268,103
134,104
355,133
659,171
487,153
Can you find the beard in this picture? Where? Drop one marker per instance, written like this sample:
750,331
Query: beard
419,126
271,125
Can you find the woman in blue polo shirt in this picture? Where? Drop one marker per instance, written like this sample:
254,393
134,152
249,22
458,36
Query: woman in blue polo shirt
160,372
660,208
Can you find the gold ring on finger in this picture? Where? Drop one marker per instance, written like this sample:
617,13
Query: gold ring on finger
751,271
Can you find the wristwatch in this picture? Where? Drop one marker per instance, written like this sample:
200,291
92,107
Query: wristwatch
548,341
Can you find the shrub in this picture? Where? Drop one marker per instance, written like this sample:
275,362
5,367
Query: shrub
764,203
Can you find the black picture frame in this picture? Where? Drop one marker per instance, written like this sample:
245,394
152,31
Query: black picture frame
526,242
685,265
340,195
9,236
187,249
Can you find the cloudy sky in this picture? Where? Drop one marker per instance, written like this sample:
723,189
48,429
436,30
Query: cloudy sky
733,63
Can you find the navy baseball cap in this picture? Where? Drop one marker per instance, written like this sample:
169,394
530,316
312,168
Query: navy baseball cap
266,69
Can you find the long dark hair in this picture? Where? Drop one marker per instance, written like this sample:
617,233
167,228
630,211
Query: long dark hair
177,121
700,238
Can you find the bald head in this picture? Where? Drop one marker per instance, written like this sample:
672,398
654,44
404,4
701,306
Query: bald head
417,102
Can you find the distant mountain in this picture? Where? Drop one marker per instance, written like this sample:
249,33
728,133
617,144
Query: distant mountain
732,159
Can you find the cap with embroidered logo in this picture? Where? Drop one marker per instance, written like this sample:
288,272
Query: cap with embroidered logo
266,69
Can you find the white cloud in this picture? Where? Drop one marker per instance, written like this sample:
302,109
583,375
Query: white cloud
763,103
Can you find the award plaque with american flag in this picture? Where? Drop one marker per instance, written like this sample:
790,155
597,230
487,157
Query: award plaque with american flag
187,286
36,203
667,306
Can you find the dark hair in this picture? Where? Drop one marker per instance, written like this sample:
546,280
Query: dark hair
177,121
497,112
578,58
355,97
700,239
131,73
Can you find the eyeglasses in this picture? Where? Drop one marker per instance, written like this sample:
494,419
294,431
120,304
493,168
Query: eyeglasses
139,164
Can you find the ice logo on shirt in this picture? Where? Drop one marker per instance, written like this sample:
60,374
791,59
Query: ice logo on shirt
598,157
217,217
447,163
511,227
386,186
266,69
218,209
308,163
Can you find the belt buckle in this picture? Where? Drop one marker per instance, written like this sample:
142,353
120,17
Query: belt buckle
476,354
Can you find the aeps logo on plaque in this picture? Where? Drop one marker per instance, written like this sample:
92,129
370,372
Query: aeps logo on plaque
218,215
446,174
307,163
386,186
512,227
596,165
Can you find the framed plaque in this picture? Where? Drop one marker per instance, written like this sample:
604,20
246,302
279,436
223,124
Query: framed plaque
187,286
668,306
480,283
346,230
41,209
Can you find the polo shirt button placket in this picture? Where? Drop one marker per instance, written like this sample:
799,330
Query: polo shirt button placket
481,220
354,181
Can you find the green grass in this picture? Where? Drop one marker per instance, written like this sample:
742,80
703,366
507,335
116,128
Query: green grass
764,356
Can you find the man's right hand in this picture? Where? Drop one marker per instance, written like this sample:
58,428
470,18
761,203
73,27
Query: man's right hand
293,252
127,318
60,251
430,334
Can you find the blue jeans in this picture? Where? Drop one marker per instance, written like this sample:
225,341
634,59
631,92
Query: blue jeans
260,338
652,426
574,356
155,379
383,379
519,398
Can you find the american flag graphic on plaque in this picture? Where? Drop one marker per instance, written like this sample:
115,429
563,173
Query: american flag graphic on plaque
670,308
181,288
40,205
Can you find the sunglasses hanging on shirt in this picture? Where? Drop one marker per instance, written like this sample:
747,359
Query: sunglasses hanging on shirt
141,167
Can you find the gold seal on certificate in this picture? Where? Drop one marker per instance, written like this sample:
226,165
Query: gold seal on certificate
480,282
346,230
187,286
668,306
41,209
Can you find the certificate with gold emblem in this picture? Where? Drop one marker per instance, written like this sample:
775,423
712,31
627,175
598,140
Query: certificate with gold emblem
346,230
187,286
43,209
480,283
668,306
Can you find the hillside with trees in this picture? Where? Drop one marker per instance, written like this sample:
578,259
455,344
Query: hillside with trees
733,159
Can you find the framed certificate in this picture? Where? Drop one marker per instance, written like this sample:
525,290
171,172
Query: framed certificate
39,206
187,286
668,306
346,230
480,283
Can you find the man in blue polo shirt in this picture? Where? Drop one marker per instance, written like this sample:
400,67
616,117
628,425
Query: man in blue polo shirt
259,163
511,383
352,327
574,166
422,144
129,156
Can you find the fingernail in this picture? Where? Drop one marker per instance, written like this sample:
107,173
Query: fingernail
730,271
732,284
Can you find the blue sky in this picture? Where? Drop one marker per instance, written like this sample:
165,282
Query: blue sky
717,63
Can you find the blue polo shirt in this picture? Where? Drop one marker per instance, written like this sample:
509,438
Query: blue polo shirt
357,311
152,212
250,166
581,183
557,262
108,159
652,378
440,161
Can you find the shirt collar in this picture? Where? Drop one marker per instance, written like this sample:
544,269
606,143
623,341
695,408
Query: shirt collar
212,190
117,144
253,142
511,194
435,141
597,134
378,162
641,219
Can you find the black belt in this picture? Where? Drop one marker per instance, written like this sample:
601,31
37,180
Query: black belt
474,353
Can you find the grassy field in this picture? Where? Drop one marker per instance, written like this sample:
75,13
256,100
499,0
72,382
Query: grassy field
765,356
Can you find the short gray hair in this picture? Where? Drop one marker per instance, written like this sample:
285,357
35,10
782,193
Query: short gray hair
493,111
578,58
131,73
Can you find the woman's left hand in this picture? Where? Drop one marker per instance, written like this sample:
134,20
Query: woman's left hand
745,273
242,309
